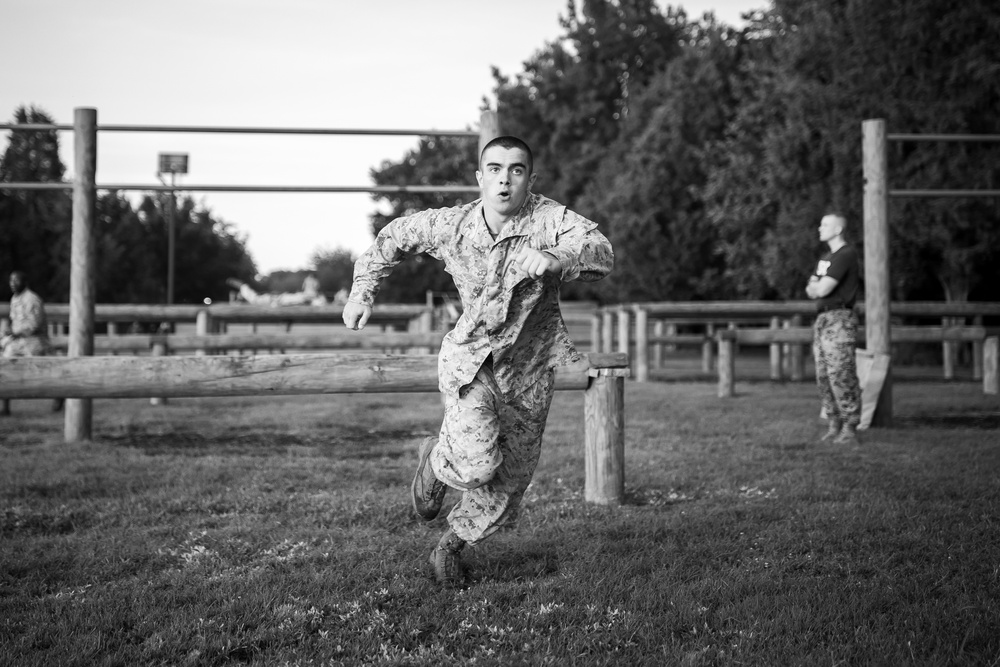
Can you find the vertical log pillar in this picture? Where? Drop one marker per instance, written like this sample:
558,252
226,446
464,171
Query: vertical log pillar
877,286
203,327
624,324
949,350
708,349
776,352
595,333
641,345
489,129
977,352
604,418
727,363
991,365
658,347
78,420
159,349
608,331
4,402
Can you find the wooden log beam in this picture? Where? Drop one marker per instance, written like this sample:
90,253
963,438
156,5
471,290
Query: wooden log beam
191,376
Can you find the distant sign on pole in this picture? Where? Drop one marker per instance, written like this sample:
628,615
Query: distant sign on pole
173,163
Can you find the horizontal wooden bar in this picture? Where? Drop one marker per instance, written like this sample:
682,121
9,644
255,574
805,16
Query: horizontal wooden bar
897,136
339,339
944,193
762,309
279,374
239,313
898,334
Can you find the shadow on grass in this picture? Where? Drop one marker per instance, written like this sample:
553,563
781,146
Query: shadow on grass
346,441
986,421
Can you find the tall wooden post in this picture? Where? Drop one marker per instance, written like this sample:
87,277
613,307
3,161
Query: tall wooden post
489,129
604,437
877,286
78,422
727,363
798,362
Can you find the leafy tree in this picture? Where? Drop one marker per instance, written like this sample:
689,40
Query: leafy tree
570,101
334,269
438,161
35,224
652,182
795,146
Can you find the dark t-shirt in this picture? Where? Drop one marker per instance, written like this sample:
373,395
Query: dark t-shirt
842,266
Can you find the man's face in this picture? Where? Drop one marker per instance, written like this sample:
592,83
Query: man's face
504,179
830,227
16,283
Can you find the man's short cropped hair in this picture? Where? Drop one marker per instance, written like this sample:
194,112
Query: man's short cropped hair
509,141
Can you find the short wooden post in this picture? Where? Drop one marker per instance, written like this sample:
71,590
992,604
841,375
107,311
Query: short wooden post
949,350
658,347
624,333
727,363
775,352
5,402
977,352
604,438
641,345
708,349
798,371
159,349
608,331
595,333
79,412
203,327
991,365
876,224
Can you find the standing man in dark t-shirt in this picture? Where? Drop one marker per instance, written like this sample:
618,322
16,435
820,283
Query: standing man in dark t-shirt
834,286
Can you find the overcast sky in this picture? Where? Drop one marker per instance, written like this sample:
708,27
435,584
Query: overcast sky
369,64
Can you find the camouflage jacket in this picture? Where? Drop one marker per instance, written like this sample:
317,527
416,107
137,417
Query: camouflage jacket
505,313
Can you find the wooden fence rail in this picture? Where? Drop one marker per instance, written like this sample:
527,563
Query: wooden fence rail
728,339
600,376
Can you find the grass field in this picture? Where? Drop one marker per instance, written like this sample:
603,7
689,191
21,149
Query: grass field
279,532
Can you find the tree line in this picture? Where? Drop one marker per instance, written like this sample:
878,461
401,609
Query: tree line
706,153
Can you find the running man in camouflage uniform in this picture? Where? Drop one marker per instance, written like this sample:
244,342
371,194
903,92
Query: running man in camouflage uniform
508,252
834,286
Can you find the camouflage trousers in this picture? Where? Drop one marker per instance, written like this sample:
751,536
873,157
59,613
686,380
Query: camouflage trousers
29,346
488,448
835,339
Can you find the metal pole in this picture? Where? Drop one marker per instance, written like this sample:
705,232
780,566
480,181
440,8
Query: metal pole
171,233
78,423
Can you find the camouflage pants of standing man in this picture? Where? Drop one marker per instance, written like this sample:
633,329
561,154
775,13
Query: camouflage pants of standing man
835,339
488,448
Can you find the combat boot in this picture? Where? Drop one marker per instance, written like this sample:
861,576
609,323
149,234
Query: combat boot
448,568
848,436
427,491
834,429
